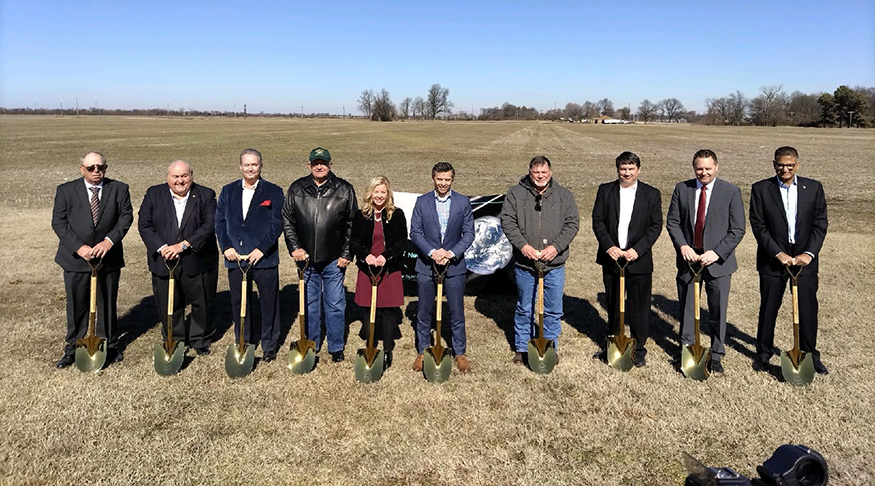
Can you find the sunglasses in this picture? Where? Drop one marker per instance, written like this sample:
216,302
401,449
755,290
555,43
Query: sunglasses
92,168
538,202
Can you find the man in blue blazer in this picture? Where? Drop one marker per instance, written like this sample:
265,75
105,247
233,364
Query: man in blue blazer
775,203
249,221
91,216
705,222
176,223
442,228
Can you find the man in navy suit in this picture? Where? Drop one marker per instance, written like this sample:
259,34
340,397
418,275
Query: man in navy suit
706,223
627,220
176,223
442,228
249,221
91,216
788,220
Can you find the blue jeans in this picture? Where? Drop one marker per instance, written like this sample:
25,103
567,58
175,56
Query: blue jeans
326,294
525,321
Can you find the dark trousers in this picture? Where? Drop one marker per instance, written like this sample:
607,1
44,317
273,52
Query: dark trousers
78,288
638,290
717,290
772,288
267,281
199,291
454,288
386,323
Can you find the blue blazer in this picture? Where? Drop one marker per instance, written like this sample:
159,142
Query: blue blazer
262,227
425,232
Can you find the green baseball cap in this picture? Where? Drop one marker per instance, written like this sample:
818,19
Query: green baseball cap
320,153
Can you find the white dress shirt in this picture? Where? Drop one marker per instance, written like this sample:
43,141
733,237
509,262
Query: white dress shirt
179,205
627,202
248,194
789,195
708,193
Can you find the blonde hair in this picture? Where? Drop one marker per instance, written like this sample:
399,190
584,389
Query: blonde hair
368,206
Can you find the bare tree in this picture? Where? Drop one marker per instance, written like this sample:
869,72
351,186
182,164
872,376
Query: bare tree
590,110
438,101
646,111
671,108
366,102
404,108
418,107
573,111
383,109
605,107
738,106
803,109
768,107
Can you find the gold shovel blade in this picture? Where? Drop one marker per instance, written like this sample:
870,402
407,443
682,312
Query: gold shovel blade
694,362
91,361
368,373
542,356
437,368
797,375
620,352
168,364
239,364
302,357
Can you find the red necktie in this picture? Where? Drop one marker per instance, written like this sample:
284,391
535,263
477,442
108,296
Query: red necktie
700,220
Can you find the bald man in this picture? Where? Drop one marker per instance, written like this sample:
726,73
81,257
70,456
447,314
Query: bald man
176,224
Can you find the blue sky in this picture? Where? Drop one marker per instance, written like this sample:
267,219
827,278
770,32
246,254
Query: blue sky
280,56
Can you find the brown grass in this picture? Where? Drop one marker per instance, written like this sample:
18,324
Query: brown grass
583,424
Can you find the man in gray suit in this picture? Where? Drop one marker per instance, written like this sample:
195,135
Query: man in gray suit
706,222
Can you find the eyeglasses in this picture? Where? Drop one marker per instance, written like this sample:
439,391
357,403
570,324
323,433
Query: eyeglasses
92,168
538,202
785,167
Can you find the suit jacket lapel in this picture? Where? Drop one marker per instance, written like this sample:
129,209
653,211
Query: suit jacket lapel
259,190
691,203
614,215
104,199
775,192
189,206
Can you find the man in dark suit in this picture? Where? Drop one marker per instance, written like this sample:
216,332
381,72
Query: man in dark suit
706,222
249,221
176,222
627,220
442,228
788,220
91,216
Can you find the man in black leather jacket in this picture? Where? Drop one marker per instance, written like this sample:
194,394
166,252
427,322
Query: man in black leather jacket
317,221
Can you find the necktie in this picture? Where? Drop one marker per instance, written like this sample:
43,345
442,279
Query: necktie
95,203
700,220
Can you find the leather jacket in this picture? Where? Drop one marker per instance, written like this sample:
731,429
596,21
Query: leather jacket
319,218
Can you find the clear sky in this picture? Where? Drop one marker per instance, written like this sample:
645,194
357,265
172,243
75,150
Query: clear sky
279,56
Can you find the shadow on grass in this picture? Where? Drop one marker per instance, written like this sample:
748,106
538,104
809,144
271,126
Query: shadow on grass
500,309
581,315
137,321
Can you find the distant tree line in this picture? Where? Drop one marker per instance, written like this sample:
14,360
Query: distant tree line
155,112
379,107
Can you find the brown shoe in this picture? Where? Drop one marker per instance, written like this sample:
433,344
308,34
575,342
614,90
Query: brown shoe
463,364
417,364
518,358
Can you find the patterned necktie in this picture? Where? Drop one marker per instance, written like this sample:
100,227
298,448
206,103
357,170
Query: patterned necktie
95,203
700,220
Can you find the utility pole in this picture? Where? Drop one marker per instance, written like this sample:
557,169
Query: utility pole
850,118
77,107
62,110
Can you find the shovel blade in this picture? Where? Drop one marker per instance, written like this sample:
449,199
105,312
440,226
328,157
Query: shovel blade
800,375
368,373
302,357
542,356
620,352
88,362
168,364
239,364
437,368
694,362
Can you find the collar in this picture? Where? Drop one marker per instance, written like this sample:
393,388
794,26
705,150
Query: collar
445,198
89,185
632,188
710,185
180,198
786,186
254,186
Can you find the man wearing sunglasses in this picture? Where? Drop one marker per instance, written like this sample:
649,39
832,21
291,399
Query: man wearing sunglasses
788,220
540,219
91,216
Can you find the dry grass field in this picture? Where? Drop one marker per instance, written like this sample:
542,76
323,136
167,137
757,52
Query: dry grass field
583,424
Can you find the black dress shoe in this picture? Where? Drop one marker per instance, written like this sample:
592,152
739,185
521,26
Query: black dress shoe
601,356
819,367
117,355
202,351
337,356
387,359
268,357
65,361
639,361
761,363
716,367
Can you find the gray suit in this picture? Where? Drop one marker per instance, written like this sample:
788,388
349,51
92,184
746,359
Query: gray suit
724,229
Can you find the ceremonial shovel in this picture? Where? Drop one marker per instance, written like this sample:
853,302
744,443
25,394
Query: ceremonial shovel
369,361
91,350
240,357
695,357
169,355
620,346
542,352
437,363
302,356
797,366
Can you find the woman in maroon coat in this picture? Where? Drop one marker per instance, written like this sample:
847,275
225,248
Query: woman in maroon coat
379,235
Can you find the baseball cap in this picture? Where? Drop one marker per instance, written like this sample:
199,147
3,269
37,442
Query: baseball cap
320,153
